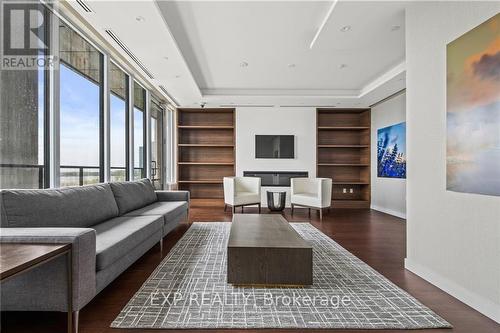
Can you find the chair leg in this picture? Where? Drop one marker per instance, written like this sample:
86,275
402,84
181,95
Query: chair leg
242,209
234,209
225,207
292,208
309,213
76,316
259,208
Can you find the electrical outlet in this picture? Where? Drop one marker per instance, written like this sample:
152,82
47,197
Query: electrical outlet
351,190
344,190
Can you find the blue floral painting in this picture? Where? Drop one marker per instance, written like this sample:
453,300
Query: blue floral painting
391,151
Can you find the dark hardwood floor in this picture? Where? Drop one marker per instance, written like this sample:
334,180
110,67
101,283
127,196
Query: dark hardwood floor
376,238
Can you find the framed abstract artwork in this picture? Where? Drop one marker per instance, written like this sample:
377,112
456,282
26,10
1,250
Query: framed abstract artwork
473,110
391,151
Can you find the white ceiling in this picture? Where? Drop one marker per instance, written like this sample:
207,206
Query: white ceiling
206,42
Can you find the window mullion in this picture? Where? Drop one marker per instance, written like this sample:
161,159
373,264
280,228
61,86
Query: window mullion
147,135
105,137
53,148
130,129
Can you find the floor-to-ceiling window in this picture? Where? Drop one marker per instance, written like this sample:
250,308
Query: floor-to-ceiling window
80,109
78,116
22,121
139,131
118,83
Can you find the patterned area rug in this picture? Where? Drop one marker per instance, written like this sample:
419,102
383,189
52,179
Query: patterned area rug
189,290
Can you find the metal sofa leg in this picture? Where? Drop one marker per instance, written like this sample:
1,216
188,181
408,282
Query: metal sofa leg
321,214
225,207
292,208
259,208
161,246
76,316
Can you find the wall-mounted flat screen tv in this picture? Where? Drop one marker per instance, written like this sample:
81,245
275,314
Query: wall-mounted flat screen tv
274,146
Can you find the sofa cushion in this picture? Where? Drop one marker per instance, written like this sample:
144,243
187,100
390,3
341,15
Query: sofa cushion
81,206
133,195
168,209
116,237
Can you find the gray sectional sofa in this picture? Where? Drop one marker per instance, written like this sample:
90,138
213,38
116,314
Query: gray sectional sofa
110,226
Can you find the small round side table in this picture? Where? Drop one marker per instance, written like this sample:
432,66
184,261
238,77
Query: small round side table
271,205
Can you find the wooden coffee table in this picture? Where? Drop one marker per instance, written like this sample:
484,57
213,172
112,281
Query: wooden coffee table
263,249
18,258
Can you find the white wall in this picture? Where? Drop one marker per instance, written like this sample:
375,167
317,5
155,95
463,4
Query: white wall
453,239
388,194
300,122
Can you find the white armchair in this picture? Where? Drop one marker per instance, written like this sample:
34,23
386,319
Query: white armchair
241,191
313,193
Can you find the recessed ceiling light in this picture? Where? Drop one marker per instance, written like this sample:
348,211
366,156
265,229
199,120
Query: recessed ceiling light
395,27
342,66
177,76
166,58
345,28
244,64
140,19
291,65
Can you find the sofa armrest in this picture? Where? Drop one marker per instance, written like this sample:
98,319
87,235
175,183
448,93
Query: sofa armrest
83,242
172,195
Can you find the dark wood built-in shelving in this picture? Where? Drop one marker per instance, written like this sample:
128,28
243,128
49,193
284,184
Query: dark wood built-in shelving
343,154
205,150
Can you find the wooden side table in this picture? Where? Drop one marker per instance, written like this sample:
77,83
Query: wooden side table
17,258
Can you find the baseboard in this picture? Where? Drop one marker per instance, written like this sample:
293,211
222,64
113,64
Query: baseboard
389,211
477,302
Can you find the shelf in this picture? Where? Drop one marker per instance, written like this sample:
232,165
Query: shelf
343,164
342,128
205,163
204,145
205,127
343,146
213,181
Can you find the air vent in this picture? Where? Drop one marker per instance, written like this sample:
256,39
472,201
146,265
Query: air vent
172,100
308,106
84,6
246,106
130,54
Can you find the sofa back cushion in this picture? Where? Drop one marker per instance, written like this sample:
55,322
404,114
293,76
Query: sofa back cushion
133,195
79,207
